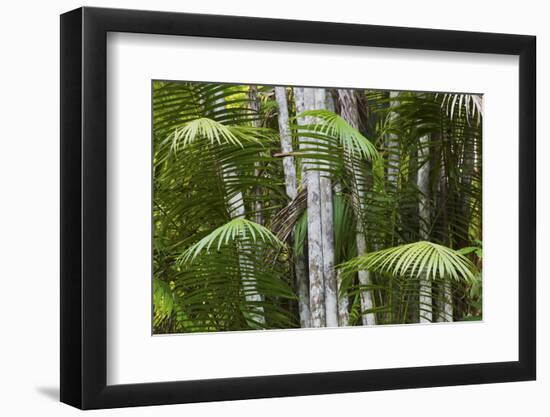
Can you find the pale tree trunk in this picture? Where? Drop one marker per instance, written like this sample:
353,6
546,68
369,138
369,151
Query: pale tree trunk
392,144
447,302
350,113
423,183
329,102
291,187
302,284
343,300
327,233
445,298
306,98
236,210
289,168
343,303
468,163
252,296
256,122
300,107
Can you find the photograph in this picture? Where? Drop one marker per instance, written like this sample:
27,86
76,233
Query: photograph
284,207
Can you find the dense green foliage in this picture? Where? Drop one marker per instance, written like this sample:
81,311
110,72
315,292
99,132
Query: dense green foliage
228,238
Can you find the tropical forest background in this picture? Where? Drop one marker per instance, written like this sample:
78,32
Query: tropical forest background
285,207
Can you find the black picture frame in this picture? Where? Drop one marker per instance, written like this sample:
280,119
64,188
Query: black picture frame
84,207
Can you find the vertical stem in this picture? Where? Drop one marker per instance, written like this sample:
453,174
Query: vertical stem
343,303
314,230
299,102
327,233
350,113
291,187
289,168
392,145
252,296
256,122
342,299
425,290
393,160
445,291
235,206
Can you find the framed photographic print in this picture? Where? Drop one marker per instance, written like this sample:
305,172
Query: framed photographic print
257,208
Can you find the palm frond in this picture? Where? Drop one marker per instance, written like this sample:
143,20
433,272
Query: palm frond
470,104
351,140
414,260
236,229
215,133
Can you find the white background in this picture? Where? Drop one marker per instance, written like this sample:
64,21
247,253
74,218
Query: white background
131,348
29,222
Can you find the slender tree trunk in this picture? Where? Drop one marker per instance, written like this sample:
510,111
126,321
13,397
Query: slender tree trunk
323,291
468,164
425,294
252,296
343,300
350,113
236,209
314,228
392,145
446,302
343,303
256,122
330,105
327,233
289,168
291,186
299,102
445,297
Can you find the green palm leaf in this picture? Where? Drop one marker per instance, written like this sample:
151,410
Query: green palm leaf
236,229
215,133
350,139
412,260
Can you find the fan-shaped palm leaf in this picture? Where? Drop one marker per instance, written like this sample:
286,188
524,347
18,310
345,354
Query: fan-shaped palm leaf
236,229
215,133
351,140
416,259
